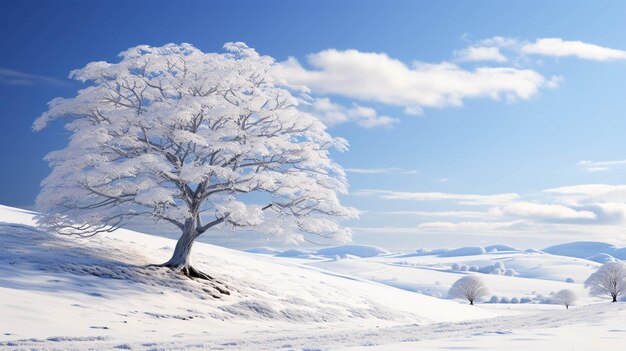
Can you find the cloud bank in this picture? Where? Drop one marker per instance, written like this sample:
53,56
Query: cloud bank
503,74
589,211
379,78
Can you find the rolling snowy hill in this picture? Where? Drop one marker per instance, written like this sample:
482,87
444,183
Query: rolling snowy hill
61,292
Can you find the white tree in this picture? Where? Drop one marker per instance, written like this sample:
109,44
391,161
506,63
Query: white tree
565,297
470,288
186,137
609,279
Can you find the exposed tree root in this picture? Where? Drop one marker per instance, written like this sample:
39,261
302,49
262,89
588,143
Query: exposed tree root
193,273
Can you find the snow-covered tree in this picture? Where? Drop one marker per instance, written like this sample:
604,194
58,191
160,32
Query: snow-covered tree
565,297
195,140
470,288
609,279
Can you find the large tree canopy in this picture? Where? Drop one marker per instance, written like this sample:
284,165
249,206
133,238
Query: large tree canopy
183,136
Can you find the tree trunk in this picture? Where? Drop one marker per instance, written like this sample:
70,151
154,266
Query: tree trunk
614,298
181,258
471,302
180,262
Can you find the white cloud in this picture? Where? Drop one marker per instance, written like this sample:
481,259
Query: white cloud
433,214
480,53
601,166
333,114
443,180
550,47
13,77
596,210
478,233
379,78
500,42
385,230
558,47
462,199
380,170
590,193
537,211
470,226
516,210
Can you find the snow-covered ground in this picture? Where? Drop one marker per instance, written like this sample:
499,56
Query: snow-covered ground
98,293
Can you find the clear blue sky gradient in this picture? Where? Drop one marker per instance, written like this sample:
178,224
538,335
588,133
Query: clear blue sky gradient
484,147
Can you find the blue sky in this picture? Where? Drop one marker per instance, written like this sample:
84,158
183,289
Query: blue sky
424,170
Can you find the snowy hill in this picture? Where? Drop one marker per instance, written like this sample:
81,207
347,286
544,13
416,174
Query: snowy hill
531,277
591,250
60,293
102,290
343,251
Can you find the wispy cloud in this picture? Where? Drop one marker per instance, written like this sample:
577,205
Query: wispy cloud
521,210
558,47
538,211
597,210
490,49
17,78
387,170
333,114
470,226
601,166
480,53
462,199
435,214
590,193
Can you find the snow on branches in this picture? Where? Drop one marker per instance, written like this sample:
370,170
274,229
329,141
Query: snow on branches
470,288
609,279
183,136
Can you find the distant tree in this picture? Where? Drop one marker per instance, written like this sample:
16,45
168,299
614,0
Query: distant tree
470,288
609,279
183,137
565,297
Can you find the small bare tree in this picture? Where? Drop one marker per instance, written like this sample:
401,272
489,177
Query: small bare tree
470,288
610,279
565,297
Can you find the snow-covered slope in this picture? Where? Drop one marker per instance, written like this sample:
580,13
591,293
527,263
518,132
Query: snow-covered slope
59,293
100,288
590,250
529,276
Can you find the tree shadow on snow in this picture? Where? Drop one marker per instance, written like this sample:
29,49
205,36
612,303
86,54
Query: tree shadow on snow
31,259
